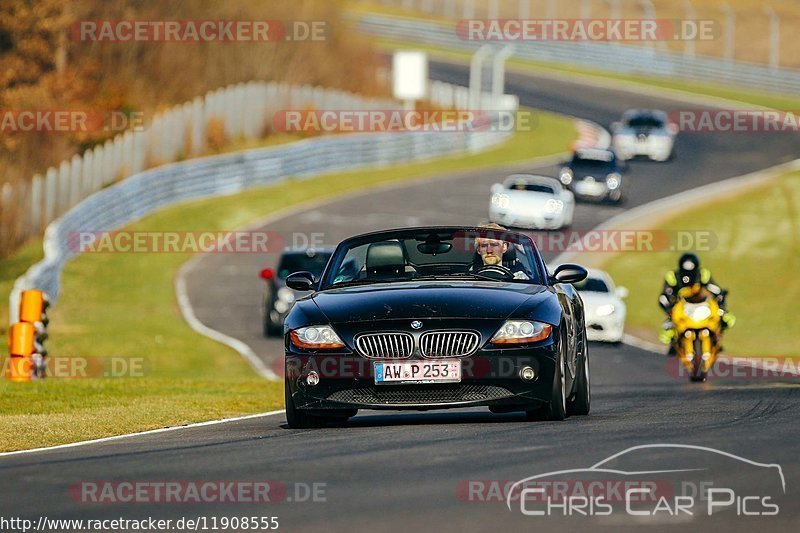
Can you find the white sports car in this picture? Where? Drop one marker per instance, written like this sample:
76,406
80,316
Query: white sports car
644,132
532,202
604,307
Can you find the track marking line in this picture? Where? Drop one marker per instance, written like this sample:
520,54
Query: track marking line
148,432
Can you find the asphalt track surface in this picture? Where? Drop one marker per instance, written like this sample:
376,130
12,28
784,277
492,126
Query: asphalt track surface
408,471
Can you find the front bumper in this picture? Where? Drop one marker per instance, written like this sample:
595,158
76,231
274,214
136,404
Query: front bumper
605,328
516,219
489,378
594,190
657,151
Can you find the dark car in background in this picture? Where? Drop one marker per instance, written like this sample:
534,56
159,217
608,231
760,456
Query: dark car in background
278,298
435,318
595,174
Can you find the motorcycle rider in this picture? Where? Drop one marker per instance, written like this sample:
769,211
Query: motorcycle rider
689,279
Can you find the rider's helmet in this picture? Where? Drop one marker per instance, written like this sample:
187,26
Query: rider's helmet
688,270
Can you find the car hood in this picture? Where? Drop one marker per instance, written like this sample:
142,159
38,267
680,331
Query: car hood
427,299
529,200
592,300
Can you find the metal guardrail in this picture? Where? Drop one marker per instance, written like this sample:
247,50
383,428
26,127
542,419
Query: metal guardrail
616,58
242,111
143,193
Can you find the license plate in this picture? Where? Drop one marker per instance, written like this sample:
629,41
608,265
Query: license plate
593,188
417,372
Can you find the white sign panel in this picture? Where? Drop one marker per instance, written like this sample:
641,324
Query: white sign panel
410,75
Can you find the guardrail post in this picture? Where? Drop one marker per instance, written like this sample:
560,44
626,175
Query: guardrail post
730,31
688,46
36,203
468,9
774,37
476,75
493,10
449,9
75,172
50,193
586,9
550,14
499,72
524,9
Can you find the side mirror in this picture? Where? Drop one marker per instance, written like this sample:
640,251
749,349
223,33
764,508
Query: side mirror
267,274
615,126
497,188
568,273
622,292
300,281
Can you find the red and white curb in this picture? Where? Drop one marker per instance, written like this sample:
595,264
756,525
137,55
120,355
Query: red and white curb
591,135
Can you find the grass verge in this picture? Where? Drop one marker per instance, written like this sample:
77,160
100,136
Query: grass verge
757,257
123,306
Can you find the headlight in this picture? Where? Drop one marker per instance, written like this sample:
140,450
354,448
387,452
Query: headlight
604,310
613,180
554,206
500,200
286,294
521,332
565,176
316,338
700,312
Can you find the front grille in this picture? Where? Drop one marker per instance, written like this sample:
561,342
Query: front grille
399,394
385,345
449,343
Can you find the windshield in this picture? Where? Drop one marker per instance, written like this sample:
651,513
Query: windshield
493,255
645,122
592,285
591,165
311,261
530,187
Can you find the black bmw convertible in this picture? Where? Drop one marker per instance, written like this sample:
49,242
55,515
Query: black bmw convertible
433,318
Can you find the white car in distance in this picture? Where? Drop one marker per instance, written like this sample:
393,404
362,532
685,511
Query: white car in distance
531,202
644,133
604,307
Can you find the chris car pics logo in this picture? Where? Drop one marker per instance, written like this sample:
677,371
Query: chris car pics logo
664,481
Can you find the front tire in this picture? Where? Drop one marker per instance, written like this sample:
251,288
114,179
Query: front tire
580,403
697,375
295,417
556,409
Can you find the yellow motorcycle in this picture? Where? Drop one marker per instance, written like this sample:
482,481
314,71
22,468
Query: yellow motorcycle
698,327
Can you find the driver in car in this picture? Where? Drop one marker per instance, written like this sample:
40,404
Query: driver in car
491,252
